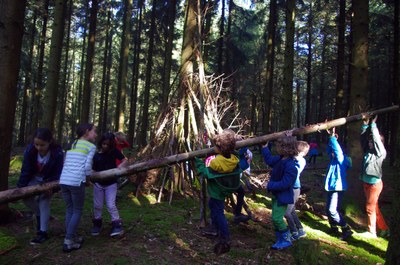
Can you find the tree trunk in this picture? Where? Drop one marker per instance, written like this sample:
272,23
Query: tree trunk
287,86
87,87
221,39
340,107
308,118
106,73
50,97
269,76
168,53
11,32
38,87
135,76
392,253
358,91
28,82
123,67
65,78
146,102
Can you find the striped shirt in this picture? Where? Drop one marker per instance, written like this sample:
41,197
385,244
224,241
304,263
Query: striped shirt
78,163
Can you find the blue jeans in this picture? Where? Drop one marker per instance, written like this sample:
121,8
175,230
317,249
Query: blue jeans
218,218
291,215
40,206
74,197
333,203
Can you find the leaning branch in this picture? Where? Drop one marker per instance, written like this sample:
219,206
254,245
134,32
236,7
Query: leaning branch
17,194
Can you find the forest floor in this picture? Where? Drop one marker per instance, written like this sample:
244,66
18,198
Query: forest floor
163,233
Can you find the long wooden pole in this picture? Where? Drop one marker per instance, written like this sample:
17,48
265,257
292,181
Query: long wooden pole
20,193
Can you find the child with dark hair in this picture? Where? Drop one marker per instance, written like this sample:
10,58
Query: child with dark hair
104,159
43,162
75,174
223,178
282,178
295,226
371,174
336,185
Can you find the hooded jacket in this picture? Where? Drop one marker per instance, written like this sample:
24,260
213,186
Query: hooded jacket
371,171
51,170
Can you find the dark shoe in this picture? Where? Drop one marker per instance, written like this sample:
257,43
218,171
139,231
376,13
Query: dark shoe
116,228
346,232
96,227
41,237
209,231
333,230
70,245
221,248
241,218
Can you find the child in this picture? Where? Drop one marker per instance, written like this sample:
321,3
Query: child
43,162
295,226
77,168
313,152
282,178
335,185
223,177
371,175
104,159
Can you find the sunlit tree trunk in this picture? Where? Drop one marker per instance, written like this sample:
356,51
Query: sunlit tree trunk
168,52
105,76
135,76
146,101
269,76
51,92
11,32
309,65
221,39
340,107
123,67
358,90
287,86
87,87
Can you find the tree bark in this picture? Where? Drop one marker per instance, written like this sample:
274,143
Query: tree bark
287,83
269,76
11,32
87,87
146,100
50,97
16,194
359,92
36,109
123,67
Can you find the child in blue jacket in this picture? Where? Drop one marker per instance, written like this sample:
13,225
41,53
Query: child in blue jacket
282,178
43,162
336,185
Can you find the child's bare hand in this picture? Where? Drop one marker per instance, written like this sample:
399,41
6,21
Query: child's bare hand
374,119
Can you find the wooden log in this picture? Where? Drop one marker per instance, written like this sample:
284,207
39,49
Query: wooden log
25,192
20,193
173,159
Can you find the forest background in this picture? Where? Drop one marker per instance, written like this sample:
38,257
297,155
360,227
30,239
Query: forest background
164,72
